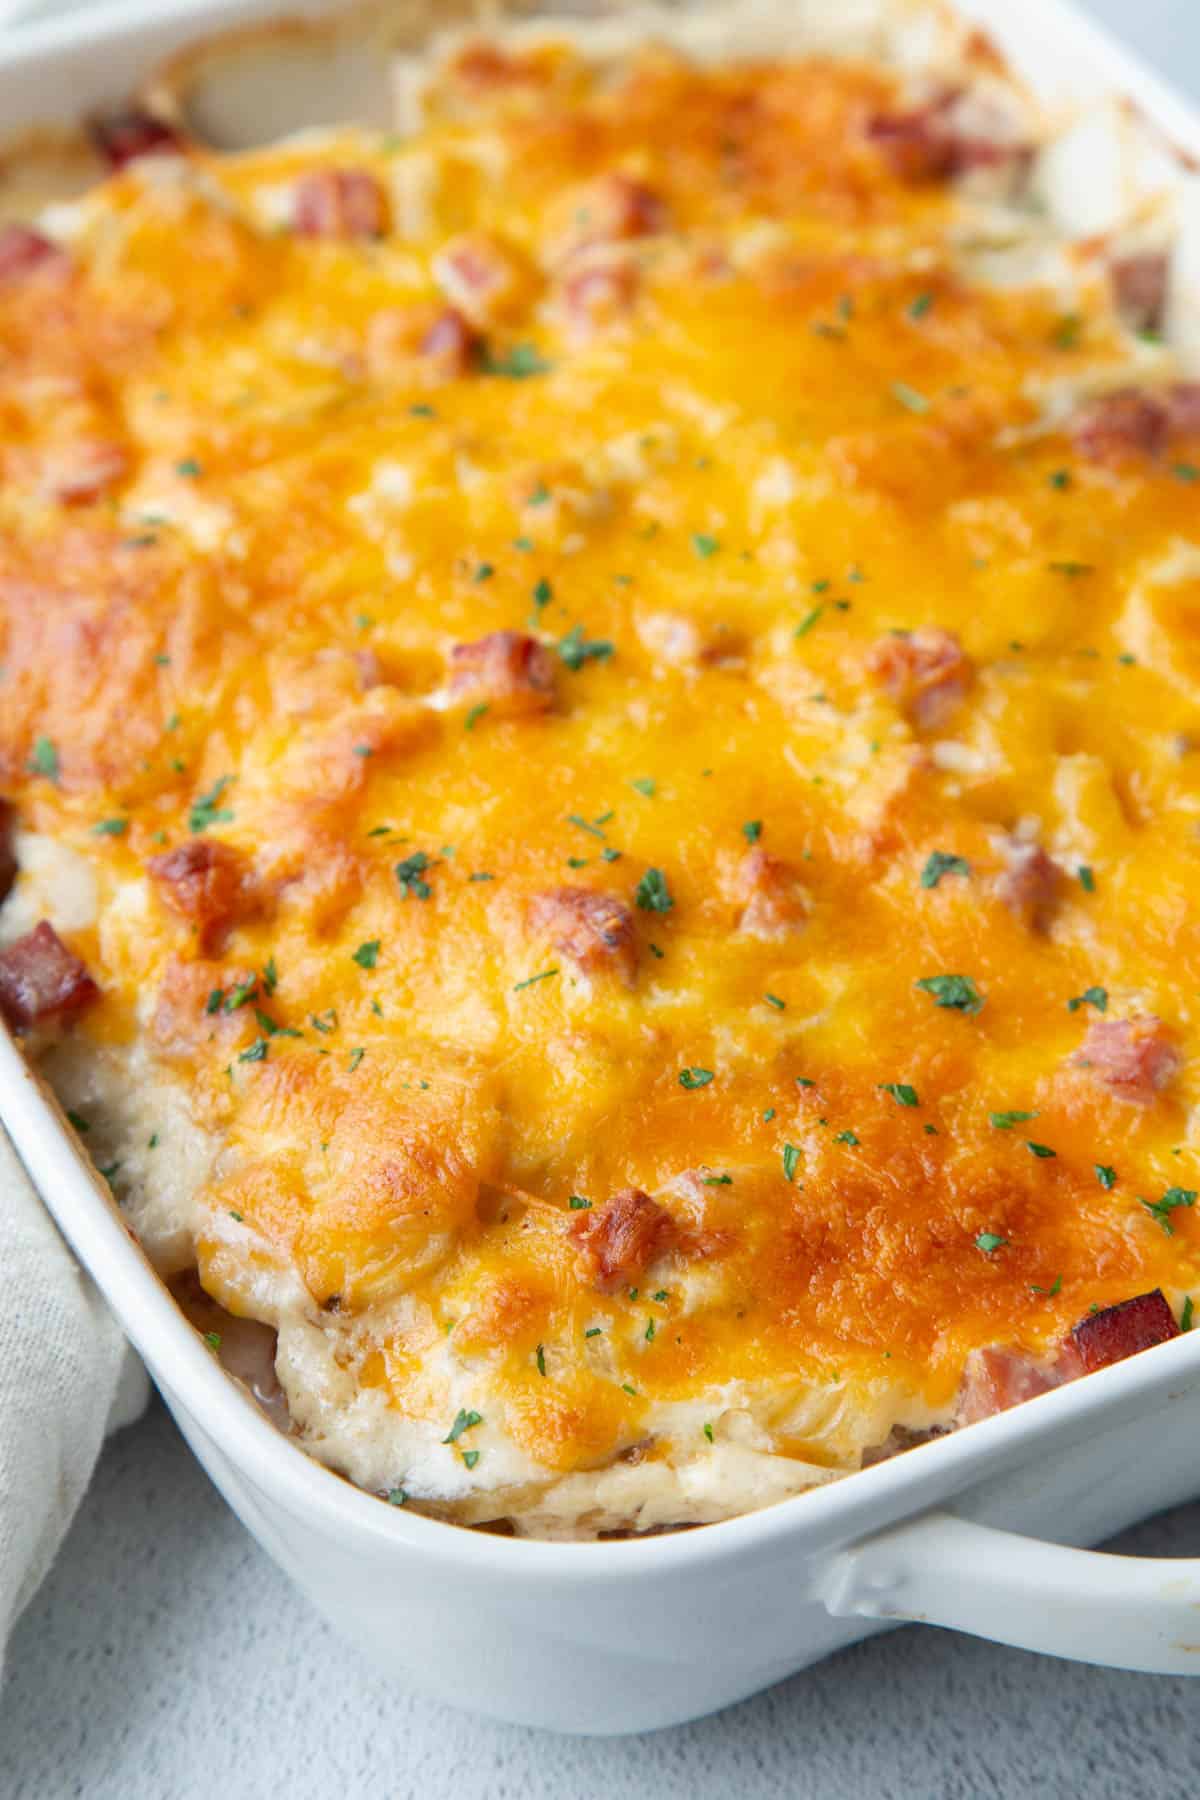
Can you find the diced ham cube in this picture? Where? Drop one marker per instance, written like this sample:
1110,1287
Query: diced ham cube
1031,884
122,137
1120,425
613,209
209,884
594,930
339,203
1134,1058
451,343
1139,285
506,671
926,672
597,295
995,1379
480,277
40,978
78,473
23,250
620,1240
8,852
775,902
1119,1331
949,134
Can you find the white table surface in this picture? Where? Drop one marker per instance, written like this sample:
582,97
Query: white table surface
167,1659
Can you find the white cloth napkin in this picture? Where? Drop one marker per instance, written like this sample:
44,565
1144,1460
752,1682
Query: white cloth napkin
66,1377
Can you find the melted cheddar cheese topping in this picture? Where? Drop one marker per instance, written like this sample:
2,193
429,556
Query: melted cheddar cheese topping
620,732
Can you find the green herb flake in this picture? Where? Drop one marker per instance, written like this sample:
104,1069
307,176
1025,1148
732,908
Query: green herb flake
649,1331
957,992
695,1077
652,893
1185,1317
752,830
708,1432
791,1161
576,650
644,784
111,828
270,976
579,1203
410,873
396,1496
918,307
44,760
775,1001
1071,569
1039,1150
1161,1210
909,397
1184,471
1093,996
189,468
470,1458
1049,1292
847,1137
540,1358
987,1241
465,1421
1087,879
354,1058
545,975
78,1121
808,621
517,363
207,810
1004,1121
256,1053
943,862
543,593
213,1339
1106,1176
1061,478
901,1092
367,954
704,545
476,713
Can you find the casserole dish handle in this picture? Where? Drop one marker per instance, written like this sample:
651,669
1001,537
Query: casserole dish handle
1123,1612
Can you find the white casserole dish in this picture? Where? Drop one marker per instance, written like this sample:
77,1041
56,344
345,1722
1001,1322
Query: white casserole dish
626,1636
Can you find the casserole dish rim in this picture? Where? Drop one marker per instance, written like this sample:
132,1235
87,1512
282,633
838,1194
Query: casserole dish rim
947,1464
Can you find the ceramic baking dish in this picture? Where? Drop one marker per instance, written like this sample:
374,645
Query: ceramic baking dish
971,1531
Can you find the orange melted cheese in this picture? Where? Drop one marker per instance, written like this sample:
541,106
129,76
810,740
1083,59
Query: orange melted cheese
803,426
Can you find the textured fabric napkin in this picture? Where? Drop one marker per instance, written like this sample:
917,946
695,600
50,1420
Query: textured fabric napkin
66,1377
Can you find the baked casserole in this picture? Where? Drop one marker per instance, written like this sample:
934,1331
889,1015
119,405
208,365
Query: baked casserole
600,741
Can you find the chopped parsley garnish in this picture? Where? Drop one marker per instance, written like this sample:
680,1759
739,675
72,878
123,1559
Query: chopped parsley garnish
1061,478
943,862
208,809
768,1115
543,593
1048,1292
464,1422
396,1496
1184,471
715,1181
44,760
1093,996
695,1077
775,1001
958,992
704,545
1087,879
1065,335
649,1331
271,1028
1070,568
583,824
476,713
579,1203
325,1021
1042,1150
791,1161
846,1137
367,954
270,976
752,830
1106,1176
410,874
256,1053
213,1339
1004,1121
111,827
594,1331
805,1081
517,363
708,1432
576,650
909,397
987,1241
354,1058
188,467
484,572
540,1358
644,785
1162,1209
78,1121
808,621
653,894
481,875
470,1458
918,307
1185,1317
530,979
900,1091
